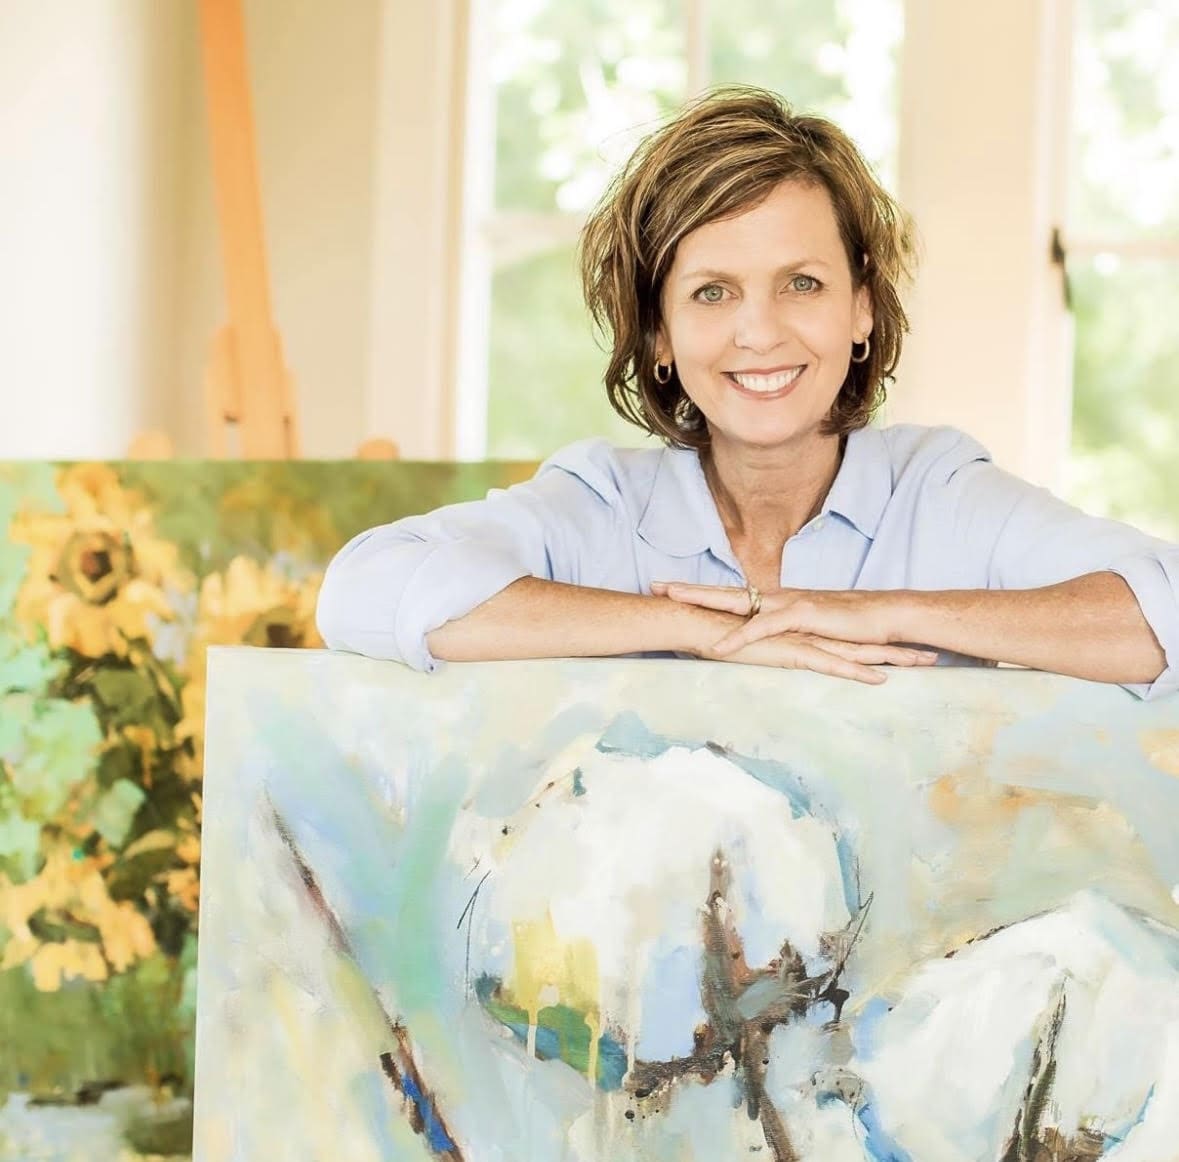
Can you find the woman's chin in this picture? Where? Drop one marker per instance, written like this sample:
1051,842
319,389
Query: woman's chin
765,437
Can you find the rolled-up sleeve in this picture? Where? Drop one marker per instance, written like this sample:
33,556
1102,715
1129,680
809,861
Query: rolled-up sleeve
1038,539
1154,579
388,588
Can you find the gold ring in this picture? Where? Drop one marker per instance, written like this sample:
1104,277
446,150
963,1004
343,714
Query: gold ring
754,601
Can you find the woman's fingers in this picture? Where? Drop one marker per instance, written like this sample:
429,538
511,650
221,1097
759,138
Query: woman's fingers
839,659
768,626
876,655
847,618
765,624
821,661
726,598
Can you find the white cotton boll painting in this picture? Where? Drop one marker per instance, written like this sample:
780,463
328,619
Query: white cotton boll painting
661,911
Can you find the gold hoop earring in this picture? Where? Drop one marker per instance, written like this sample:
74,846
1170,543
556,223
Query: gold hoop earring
662,373
867,351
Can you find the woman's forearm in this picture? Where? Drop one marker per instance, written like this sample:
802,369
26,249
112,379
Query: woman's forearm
544,619
1090,627
532,618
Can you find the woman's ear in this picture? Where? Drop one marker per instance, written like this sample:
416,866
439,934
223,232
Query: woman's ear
863,315
662,346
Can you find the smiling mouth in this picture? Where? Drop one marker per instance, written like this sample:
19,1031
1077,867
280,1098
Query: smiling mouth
771,384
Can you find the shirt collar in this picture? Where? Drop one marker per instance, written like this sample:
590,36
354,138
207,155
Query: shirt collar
681,519
863,485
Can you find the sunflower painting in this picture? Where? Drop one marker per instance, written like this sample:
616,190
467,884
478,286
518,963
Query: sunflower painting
115,580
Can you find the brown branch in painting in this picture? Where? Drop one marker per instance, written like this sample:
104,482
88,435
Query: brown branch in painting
1087,1146
398,1065
1023,1145
1030,1141
424,1118
744,1006
339,938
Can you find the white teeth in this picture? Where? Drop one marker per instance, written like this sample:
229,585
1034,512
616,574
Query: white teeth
768,383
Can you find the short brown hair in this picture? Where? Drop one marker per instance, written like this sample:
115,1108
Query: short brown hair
721,155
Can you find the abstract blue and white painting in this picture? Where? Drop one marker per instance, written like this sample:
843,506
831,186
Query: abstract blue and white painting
661,911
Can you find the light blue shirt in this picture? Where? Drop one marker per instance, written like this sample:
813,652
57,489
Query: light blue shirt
911,508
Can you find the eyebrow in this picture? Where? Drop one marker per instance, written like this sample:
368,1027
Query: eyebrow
709,273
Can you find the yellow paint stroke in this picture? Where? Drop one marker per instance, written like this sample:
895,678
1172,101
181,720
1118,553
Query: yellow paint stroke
550,970
1085,842
304,1059
1161,748
969,797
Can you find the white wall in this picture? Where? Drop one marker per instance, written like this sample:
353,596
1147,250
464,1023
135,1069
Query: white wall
88,221
110,263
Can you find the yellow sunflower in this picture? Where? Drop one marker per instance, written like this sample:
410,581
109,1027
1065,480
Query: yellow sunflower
249,604
101,936
97,573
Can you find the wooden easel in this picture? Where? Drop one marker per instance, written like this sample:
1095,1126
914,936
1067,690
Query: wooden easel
248,388
247,383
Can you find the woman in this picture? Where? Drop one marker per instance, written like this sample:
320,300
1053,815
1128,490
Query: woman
746,266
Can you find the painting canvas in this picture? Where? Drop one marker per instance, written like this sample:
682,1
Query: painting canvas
114,581
664,910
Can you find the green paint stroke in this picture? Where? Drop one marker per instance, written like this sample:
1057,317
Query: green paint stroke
562,1034
114,812
423,871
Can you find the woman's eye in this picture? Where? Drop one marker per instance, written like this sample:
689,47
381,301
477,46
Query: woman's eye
804,283
711,293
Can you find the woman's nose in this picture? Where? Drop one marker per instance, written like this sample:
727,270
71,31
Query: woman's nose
760,324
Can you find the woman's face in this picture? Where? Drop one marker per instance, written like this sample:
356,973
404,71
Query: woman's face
759,315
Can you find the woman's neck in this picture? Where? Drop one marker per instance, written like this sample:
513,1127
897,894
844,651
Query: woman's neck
767,495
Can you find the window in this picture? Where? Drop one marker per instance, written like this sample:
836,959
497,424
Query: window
1123,247
573,85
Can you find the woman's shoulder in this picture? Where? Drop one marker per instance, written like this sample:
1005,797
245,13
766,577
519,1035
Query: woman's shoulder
919,450
940,465
943,470
613,472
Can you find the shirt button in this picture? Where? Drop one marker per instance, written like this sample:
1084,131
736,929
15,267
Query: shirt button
817,522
